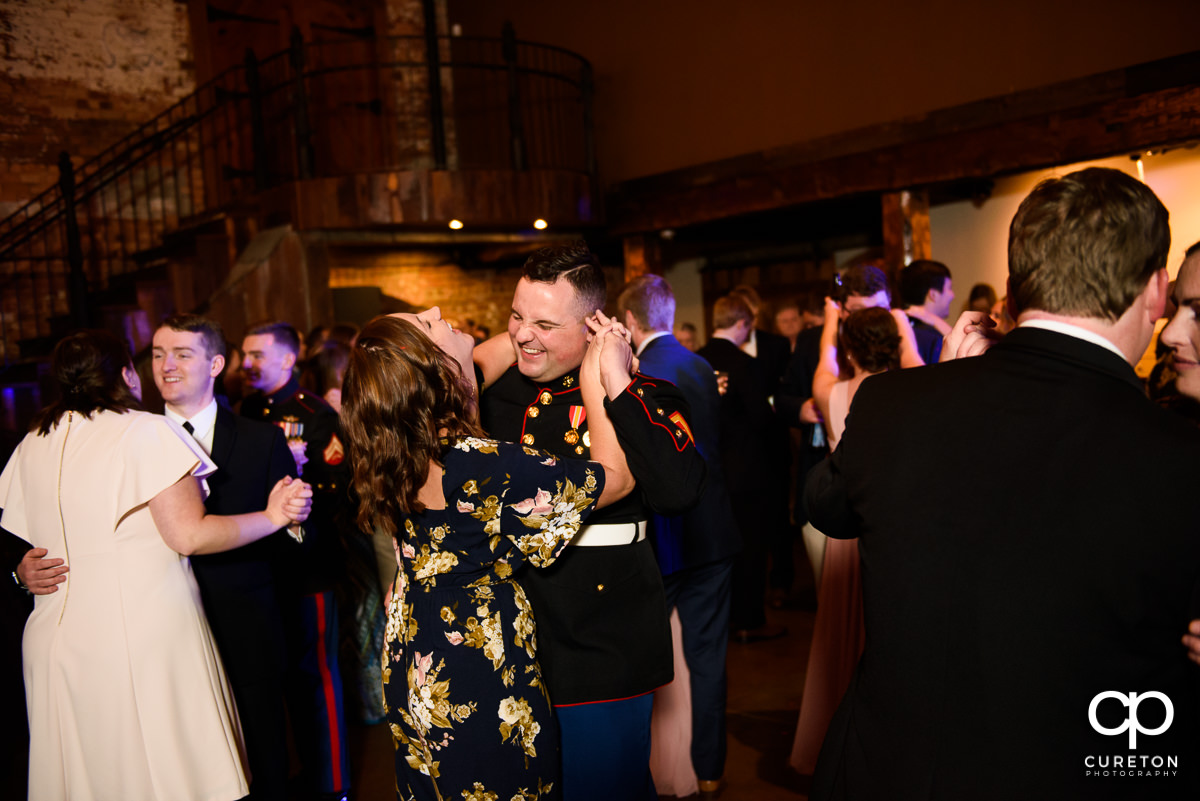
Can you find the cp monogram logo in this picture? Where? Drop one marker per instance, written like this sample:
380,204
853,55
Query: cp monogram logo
1131,723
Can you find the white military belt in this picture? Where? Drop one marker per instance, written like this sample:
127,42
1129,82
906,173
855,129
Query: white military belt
610,534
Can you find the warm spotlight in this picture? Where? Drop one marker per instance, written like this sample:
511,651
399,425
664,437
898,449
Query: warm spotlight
456,224
539,224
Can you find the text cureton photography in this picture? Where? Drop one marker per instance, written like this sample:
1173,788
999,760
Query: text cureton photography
1135,765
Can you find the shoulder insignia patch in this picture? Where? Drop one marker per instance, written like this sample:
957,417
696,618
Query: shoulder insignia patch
683,428
334,453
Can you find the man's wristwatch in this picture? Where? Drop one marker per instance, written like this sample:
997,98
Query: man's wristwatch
19,583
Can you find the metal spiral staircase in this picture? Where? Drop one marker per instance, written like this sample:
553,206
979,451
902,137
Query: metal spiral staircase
313,111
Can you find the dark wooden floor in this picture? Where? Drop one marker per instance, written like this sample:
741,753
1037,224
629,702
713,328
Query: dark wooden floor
766,680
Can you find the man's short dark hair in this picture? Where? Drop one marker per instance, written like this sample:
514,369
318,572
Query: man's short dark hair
1086,244
863,280
283,334
575,264
650,299
918,278
210,331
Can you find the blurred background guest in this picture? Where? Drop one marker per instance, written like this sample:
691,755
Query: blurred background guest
982,298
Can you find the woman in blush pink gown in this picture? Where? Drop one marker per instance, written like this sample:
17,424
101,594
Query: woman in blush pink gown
873,341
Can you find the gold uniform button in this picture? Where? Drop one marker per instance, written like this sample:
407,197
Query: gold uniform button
579,449
545,398
527,439
599,588
533,411
660,412
678,433
639,392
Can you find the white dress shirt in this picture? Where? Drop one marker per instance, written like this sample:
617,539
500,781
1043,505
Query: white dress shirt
1074,331
204,424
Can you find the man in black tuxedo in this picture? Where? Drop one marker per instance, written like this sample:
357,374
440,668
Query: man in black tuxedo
1023,630
772,352
237,587
747,426
695,551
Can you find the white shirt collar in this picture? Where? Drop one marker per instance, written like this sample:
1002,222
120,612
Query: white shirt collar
650,338
204,424
1070,330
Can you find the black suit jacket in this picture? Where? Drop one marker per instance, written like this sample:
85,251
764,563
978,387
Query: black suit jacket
707,532
774,353
746,418
1059,560
238,586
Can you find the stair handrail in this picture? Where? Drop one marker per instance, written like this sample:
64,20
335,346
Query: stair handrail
212,136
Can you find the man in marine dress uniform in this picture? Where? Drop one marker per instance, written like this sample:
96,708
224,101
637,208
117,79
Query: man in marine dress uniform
604,641
314,685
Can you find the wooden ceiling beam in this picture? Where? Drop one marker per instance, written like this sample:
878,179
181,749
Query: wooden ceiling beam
1148,106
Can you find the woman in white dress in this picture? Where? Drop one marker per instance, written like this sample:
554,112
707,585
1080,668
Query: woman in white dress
127,697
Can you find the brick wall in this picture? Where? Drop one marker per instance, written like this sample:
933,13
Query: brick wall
78,76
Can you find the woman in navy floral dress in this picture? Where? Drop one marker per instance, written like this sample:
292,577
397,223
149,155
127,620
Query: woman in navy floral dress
463,692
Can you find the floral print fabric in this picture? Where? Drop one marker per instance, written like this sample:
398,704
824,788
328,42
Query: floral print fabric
469,714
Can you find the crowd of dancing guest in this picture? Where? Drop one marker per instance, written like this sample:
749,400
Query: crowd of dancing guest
505,487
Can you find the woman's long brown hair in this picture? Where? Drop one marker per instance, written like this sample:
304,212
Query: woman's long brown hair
400,392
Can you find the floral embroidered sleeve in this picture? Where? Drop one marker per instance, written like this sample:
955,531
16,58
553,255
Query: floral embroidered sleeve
545,501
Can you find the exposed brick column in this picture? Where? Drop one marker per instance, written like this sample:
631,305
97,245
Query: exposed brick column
906,235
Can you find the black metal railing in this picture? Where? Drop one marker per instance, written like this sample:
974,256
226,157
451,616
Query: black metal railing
314,110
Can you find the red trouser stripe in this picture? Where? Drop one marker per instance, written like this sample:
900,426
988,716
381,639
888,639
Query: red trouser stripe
335,745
